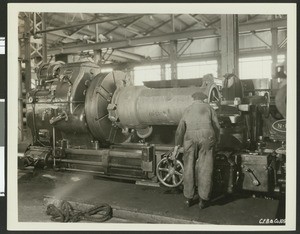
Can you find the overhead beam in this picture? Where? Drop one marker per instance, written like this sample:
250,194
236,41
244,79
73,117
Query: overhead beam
128,55
213,55
201,22
84,24
259,38
159,25
188,45
127,25
76,30
283,43
126,28
202,33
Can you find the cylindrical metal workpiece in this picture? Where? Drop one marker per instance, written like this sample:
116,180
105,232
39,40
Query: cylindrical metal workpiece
139,106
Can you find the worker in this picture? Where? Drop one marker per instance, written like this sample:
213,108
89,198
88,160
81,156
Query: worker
198,131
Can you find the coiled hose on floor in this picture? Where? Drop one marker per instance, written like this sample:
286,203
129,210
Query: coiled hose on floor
66,213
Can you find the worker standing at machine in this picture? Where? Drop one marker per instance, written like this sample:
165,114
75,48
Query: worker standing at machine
198,131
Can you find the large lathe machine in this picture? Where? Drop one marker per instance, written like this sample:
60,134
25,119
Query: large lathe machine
85,121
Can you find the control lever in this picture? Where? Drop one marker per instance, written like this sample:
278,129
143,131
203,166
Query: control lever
253,177
58,118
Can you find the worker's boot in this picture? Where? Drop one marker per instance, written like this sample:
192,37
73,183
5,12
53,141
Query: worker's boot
203,204
188,202
192,201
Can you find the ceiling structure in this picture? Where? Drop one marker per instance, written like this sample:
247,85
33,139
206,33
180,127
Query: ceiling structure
83,33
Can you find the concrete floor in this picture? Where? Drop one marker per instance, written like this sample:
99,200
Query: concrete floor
134,203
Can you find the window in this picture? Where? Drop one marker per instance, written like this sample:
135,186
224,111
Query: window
281,58
257,67
192,70
106,70
146,73
197,69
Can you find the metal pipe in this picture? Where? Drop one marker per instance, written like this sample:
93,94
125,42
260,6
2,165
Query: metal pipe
84,24
80,162
124,154
100,164
129,146
110,152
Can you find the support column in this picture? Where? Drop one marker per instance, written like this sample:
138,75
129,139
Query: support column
163,71
173,22
96,32
44,39
274,49
219,68
229,44
97,56
173,59
27,53
162,66
20,98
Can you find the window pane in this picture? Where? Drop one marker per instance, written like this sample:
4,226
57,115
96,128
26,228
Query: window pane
168,71
197,69
281,58
106,70
146,73
255,67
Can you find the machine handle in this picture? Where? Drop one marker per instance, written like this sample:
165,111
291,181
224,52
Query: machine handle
253,177
58,118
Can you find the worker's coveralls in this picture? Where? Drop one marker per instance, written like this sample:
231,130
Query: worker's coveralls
198,131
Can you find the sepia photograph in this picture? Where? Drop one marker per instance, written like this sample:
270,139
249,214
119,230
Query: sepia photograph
153,116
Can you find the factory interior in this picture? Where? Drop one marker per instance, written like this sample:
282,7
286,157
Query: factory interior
102,94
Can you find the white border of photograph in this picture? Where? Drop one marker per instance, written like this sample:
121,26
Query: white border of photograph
170,8
2,45
2,172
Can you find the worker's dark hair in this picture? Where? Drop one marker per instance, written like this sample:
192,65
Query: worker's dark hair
199,96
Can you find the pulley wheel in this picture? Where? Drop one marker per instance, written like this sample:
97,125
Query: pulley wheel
170,172
213,95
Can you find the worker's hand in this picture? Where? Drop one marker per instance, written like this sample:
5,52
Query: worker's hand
212,142
175,151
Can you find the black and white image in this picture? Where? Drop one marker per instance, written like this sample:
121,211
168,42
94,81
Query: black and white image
163,118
